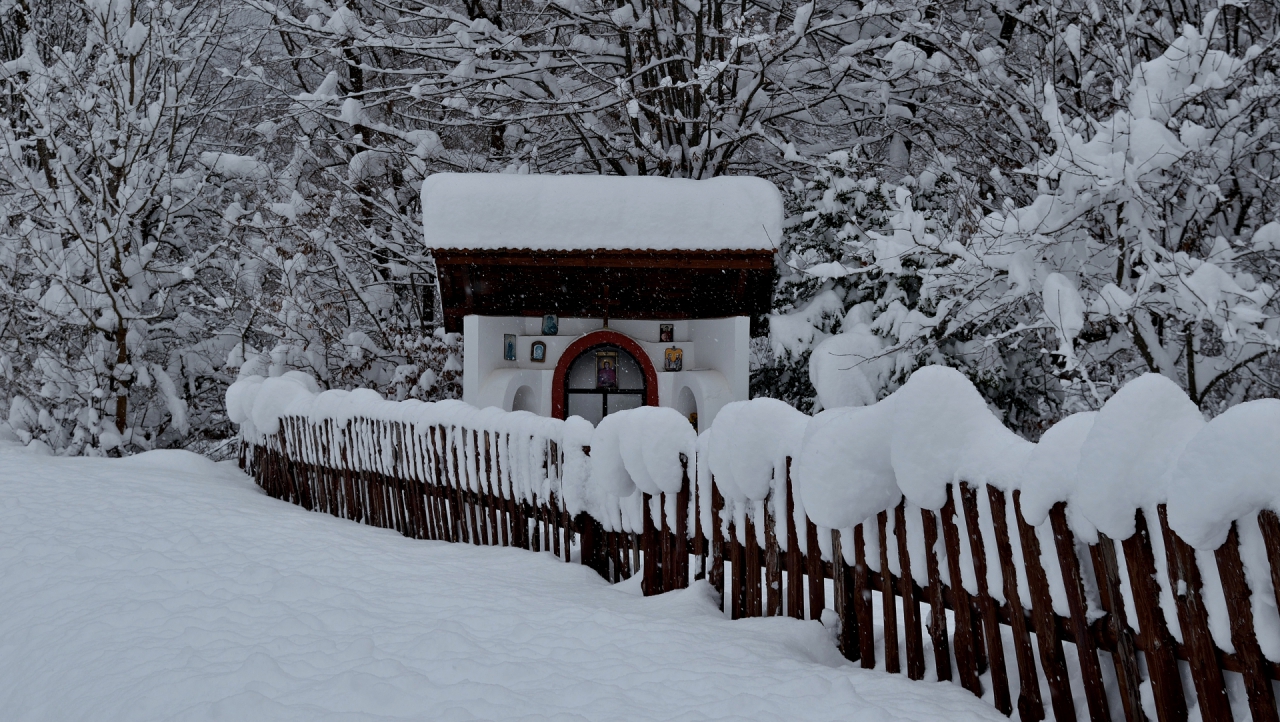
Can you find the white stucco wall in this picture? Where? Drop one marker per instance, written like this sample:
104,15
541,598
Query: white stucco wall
710,389
482,352
724,345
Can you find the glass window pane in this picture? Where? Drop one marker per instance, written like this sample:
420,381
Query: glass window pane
588,406
582,373
630,375
621,402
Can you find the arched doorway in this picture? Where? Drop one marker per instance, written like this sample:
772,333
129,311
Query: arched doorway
601,373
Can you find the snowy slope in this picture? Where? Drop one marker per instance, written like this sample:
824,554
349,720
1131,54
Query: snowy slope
168,587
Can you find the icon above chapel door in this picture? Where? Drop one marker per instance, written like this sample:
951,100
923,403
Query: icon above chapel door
606,369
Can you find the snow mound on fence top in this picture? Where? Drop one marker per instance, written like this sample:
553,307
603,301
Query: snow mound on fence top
578,494
641,449
844,473
662,442
257,403
994,455
941,424
608,470
1049,473
1229,469
487,211
329,404
749,443
850,463
1129,454
239,399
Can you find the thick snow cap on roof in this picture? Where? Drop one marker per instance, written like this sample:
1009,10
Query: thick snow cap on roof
490,211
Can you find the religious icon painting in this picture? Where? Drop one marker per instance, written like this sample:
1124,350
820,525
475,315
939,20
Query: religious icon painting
550,325
509,347
606,369
673,359
538,352
666,332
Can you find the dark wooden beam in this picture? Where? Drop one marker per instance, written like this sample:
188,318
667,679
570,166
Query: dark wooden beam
663,285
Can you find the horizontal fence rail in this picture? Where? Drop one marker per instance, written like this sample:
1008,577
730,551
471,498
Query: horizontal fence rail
985,576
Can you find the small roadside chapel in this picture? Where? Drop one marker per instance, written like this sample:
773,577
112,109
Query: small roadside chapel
585,295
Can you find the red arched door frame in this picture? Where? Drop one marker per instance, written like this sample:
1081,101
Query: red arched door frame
589,341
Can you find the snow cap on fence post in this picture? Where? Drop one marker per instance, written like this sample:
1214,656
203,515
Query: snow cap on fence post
576,490
1129,454
239,399
1049,472
940,423
330,404
607,468
748,445
257,403
641,448
1228,470
844,471
657,436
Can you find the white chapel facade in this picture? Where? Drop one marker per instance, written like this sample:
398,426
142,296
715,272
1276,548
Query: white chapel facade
586,295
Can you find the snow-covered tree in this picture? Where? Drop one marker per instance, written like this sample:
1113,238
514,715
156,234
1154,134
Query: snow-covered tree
110,286
1051,197
691,89
372,97
311,295
156,237
1145,240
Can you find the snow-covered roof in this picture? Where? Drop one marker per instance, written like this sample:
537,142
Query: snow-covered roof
490,211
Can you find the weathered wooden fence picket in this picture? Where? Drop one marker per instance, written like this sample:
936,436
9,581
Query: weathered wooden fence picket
1006,641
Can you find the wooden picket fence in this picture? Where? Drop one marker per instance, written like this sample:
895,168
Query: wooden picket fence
421,494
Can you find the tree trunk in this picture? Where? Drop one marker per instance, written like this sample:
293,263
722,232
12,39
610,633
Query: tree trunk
122,385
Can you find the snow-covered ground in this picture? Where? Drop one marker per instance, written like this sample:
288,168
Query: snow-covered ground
167,587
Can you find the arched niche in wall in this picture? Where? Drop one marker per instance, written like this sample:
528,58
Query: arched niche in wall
687,404
524,400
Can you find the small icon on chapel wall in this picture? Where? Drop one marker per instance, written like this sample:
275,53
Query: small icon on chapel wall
666,332
509,347
550,325
673,359
693,419
606,369
538,352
